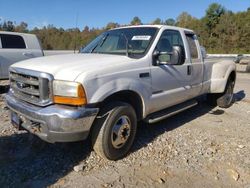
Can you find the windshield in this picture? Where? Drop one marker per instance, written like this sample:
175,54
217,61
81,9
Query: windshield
132,42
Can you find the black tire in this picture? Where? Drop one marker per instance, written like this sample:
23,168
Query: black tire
212,99
226,99
223,100
114,131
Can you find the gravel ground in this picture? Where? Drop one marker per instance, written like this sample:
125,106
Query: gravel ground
201,147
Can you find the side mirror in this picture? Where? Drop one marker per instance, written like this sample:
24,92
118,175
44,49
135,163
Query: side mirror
161,58
176,57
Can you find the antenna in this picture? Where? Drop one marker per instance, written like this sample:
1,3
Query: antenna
75,33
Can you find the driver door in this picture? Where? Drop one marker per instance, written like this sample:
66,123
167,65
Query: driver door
170,83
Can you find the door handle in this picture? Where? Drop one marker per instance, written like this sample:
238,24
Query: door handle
28,54
189,70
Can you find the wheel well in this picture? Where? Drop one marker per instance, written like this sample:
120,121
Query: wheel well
232,76
129,97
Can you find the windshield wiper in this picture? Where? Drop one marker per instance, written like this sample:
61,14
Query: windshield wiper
100,43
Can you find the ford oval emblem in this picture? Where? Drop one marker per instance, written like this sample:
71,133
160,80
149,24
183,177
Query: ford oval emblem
21,85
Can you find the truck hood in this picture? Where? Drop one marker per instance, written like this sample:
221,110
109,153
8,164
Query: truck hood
68,67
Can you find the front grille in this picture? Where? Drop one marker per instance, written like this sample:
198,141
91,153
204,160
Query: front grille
31,86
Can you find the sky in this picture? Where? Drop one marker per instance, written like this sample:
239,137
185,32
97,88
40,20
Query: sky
94,13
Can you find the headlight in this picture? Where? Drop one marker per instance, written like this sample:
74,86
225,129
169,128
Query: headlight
71,93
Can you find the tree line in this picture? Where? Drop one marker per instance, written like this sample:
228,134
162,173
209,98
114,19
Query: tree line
219,30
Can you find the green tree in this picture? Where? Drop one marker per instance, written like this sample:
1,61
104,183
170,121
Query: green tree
242,20
184,20
22,27
86,29
111,25
136,21
157,21
8,26
227,33
213,14
170,21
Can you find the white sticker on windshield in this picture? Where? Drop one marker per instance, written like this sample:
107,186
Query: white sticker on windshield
141,37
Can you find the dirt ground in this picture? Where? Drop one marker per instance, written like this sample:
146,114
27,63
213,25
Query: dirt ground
201,147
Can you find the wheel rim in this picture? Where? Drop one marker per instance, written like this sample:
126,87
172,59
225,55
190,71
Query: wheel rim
229,94
120,132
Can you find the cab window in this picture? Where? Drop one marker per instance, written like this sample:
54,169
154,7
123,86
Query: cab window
169,38
12,41
192,45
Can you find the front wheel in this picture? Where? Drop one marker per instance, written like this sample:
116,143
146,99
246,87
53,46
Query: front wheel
114,131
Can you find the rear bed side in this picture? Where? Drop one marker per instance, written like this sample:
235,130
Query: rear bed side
217,73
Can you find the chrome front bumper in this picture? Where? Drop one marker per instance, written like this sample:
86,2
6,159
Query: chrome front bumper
54,123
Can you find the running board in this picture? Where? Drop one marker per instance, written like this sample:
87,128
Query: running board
163,114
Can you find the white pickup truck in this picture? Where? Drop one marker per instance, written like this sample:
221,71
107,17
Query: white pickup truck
124,76
16,47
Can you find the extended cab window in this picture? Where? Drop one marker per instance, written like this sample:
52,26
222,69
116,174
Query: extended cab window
12,41
192,45
169,38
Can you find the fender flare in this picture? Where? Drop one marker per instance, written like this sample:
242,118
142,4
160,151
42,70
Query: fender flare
119,85
219,78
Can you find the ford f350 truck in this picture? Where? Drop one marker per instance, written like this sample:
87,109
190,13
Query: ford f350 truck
125,75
